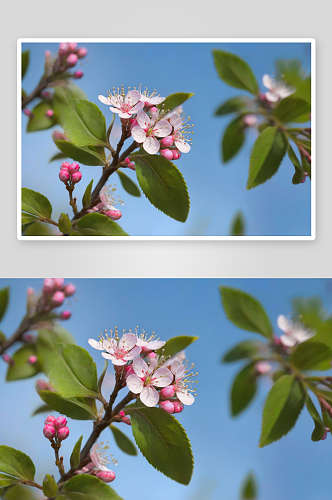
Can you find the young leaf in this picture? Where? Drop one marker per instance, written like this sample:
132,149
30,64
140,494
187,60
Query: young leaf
309,355
4,301
232,105
87,156
163,442
28,219
327,420
86,200
249,488
299,173
57,157
176,344
245,311
282,408
16,463
50,488
39,120
36,204
266,156
238,225
64,223
319,429
72,408
123,442
92,118
75,455
25,62
242,350
22,369
128,184
174,100
86,487
41,409
243,389
102,376
235,71
85,125
98,225
7,481
233,139
163,185
292,109
306,166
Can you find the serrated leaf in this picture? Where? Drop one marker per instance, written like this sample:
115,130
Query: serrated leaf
245,311
266,156
123,442
174,100
82,155
249,488
25,62
163,185
128,185
244,388
36,204
242,350
233,139
86,487
319,429
299,173
235,71
176,344
64,223
292,109
16,463
22,369
232,105
39,120
4,301
86,200
50,488
163,442
238,225
309,355
282,408
75,455
98,225
72,408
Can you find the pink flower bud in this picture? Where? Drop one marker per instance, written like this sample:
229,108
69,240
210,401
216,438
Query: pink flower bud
58,283
78,74
127,160
176,154
106,475
74,167
167,141
47,54
277,341
167,392
32,360
72,46
76,177
71,60
63,49
263,367
28,113
126,420
60,422
58,298
48,285
65,315
114,214
167,153
43,386
29,338
65,165
59,136
64,176
324,437
131,166
250,120
167,406
122,414
49,432
178,407
50,113
45,94
8,359
50,419
69,290
303,180
63,433
81,52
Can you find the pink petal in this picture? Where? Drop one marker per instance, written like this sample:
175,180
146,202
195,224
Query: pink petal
162,128
114,359
175,366
133,353
96,345
114,110
143,119
104,100
149,396
155,344
117,101
127,341
180,373
138,134
177,124
123,114
132,97
185,397
140,367
138,107
162,377
182,146
134,384
151,145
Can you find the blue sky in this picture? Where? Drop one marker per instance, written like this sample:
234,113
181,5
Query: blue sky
224,449
217,191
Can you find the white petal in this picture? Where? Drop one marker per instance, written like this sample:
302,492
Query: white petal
162,128
284,324
149,396
175,366
140,367
182,146
287,340
143,119
268,81
134,384
151,145
177,124
115,110
138,107
185,397
127,341
96,345
272,96
133,353
180,373
132,97
162,377
138,134
114,359
155,344
117,101
153,100
104,100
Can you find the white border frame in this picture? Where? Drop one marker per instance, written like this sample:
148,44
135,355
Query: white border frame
312,41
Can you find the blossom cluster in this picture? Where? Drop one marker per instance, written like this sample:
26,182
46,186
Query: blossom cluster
70,173
108,201
56,428
154,378
157,130
97,464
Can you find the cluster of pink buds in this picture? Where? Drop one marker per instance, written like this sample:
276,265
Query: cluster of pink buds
54,293
70,173
172,406
56,428
124,418
108,200
70,54
128,164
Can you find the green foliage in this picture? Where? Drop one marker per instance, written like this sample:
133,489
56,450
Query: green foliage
86,487
299,173
176,344
86,200
292,73
39,120
36,204
77,409
249,488
238,226
282,408
7,481
25,62
85,124
266,157
123,442
64,223
163,184
128,185
87,156
174,100
310,355
163,442
233,139
93,119
58,157
245,311
21,369
292,109
243,389
41,409
242,350
50,488
319,429
235,71
232,105
94,224
4,301
102,376
75,455
16,463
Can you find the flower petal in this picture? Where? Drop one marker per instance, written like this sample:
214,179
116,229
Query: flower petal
149,396
115,110
138,107
182,146
133,353
96,345
132,97
288,340
162,377
284,324
180,373
127,341
268,81
272,96
140,367
138,134
155,344
175,366
104,100
151,145
134,384
114,359
117,101
162,128
185,397
143,119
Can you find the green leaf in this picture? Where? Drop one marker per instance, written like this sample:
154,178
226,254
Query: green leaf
63,103
306,166
249,488
266,156
62,335
232,105
243,389
282,408
235,71
75,455
86,200
93,118
176,345
36,204
82,155
85,125
123,442
233,139
292,109
98,225
299,173
163,185
242,350
7,481
238,226
64,223
4,301
16,463
86,487
174,100
50,488
163,442
72,408
58,156
38,120
76,91
245,311
327,420
22,369
28,219
319,429
128,185
25,62
41,409
309,355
